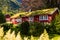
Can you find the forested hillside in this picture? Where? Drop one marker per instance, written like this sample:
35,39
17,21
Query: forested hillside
15,5
53,3
9,6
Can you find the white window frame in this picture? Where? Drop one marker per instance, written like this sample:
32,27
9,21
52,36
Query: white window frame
31,19
43,17
40,17
19,20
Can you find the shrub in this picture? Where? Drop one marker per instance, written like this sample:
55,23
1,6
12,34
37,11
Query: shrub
16,29
7,26
36,29
50,29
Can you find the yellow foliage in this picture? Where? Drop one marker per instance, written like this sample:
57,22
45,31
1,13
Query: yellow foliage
44,36
11,36
18,37
32,38
25,38
8,35
1,32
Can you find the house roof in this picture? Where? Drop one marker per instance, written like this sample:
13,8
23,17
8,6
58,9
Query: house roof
37,12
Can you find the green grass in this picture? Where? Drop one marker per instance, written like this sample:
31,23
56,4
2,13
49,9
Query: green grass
54,37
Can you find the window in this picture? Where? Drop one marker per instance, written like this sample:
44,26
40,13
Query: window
45,17
40,17
19,20
31,19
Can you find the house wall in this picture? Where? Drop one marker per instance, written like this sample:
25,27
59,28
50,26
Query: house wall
14,21
35,19
24,19
49,18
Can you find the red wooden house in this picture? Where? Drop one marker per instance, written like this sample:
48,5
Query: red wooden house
45,15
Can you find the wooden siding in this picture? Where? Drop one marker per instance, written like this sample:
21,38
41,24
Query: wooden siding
49,18
24,19
36,18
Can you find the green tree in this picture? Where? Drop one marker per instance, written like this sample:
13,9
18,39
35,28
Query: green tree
25,28
2,17
57,23
55,26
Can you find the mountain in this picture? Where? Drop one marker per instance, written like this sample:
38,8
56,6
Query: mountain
14,5
18,2
9,5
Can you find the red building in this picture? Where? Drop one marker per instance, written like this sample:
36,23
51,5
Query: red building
45,15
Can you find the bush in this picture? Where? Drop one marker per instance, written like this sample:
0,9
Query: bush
15,28
36,29
51,29
25,28
7,26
